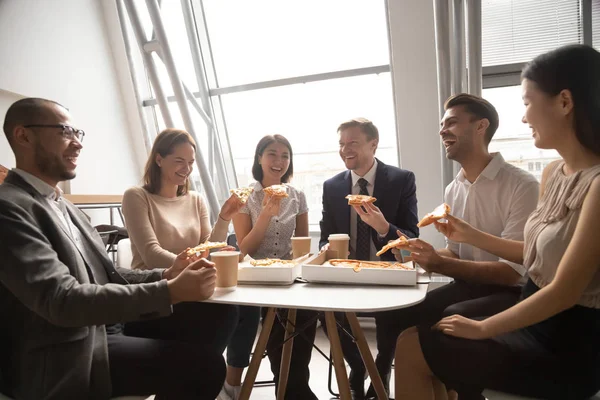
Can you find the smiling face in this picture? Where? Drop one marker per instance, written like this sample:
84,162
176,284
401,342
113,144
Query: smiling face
357,152
275,161
549,117
175,168
51,155
459,133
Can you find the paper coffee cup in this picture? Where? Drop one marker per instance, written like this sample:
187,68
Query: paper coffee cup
339,242
226,264
300,246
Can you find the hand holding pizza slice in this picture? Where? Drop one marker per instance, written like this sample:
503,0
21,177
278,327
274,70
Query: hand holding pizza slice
242,193
276,191
400,242
204,247
438,213
358,199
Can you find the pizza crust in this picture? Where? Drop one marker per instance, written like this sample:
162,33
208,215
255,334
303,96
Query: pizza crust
358,199
438,213
276,191
268,262
357,265
205,246
242,193
400,242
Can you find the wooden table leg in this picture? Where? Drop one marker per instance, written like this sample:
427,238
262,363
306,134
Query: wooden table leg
338,356
259,350
286,356
366,355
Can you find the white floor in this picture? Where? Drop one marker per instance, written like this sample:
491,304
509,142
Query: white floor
318,368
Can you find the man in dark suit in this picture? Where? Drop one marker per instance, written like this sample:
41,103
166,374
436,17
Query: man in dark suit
370,226
59,291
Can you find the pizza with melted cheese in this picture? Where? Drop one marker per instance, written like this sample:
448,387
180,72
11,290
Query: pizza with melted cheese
357,265
438,213
276,191
358,199
205,246
268,262
400,242
242,193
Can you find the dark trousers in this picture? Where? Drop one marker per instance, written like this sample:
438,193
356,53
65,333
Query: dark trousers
297,386
170,369
209,324
458,297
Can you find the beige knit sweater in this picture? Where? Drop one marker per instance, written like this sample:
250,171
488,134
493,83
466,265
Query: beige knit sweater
160,227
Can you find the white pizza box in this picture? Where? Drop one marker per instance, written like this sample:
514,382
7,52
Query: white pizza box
275,274
313,270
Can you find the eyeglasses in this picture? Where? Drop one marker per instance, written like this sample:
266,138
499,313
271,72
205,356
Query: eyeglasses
68,132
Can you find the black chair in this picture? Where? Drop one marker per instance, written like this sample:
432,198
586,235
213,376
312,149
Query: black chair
111,235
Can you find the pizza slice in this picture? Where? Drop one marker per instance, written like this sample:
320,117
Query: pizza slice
276,191
242,193
358,265
357,199
267,262
205,246
440,212
400,242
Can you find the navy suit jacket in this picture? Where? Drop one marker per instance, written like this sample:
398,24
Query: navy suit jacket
395,191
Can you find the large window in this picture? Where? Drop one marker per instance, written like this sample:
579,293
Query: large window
295,68
513,138
277,47
513,33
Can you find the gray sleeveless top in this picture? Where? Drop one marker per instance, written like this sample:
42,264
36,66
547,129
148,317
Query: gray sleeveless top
550,228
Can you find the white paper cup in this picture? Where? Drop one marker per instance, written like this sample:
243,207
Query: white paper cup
339,242
226,264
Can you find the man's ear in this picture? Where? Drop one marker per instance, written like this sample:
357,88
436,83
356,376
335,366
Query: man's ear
482,126
22,136
374,144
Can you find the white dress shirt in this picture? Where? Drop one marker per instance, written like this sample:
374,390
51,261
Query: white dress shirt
370,178
498,202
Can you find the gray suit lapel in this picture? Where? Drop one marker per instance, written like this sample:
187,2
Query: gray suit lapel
94,254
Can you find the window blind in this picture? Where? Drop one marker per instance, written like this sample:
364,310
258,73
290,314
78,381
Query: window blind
518,30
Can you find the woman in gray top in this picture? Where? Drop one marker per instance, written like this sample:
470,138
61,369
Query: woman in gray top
264,228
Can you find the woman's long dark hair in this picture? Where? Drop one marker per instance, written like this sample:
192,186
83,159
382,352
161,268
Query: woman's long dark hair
577,69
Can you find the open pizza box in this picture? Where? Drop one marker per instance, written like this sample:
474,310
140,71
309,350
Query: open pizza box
313,270
274,274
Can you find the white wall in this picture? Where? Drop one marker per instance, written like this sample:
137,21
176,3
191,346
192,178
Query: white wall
412,41
7,158
61,50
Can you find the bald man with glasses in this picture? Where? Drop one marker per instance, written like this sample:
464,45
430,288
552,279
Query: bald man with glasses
61,297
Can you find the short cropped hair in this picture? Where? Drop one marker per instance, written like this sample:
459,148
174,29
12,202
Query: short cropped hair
366,126
26,111
478,107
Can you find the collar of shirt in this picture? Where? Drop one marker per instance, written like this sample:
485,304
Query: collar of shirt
490,171
369,176
52,193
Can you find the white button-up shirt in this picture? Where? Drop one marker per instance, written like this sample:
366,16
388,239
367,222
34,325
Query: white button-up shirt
370,178
498,202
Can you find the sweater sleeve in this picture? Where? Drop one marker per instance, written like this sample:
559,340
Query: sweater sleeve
219,231
141,232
